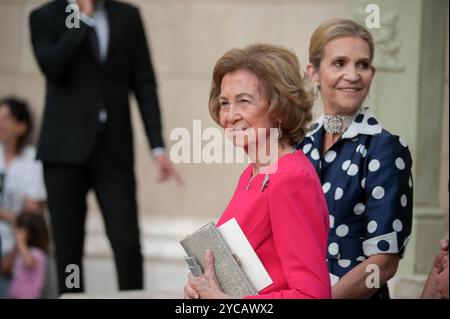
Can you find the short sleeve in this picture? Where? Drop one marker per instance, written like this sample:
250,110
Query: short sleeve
35,187
299,220
389,197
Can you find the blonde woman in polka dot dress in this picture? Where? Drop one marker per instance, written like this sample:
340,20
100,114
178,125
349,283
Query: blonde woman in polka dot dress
365,171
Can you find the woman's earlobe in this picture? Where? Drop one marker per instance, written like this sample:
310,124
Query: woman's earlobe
312,73
310,70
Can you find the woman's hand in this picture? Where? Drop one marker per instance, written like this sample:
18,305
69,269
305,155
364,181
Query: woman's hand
439,260
205,286
436,285
189,292
441,278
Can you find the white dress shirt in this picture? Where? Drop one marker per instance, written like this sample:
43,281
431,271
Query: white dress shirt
99,21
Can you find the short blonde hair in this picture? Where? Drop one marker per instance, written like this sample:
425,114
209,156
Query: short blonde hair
290,95
334,29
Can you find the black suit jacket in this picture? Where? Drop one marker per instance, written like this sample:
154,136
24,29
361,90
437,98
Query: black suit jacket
78,86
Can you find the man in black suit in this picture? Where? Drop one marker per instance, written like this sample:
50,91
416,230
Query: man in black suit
86,136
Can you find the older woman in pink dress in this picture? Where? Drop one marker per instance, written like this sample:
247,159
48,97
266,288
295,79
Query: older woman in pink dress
280,205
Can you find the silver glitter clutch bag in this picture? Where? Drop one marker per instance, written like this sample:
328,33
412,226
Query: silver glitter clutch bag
232,279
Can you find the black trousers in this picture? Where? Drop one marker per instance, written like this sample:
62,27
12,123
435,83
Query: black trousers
115,188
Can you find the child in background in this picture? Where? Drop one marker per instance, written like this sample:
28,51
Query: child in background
21,179
30,262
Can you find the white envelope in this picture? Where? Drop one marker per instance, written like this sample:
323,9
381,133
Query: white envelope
252,266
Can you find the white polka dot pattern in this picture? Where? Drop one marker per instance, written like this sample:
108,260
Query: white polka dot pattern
342,230
378,192
307,148
338,193
403,142
330,156
346,165
344,263
372,226
400,163
397,225
359,208
403,200
352,170
315,154
333,248
374,165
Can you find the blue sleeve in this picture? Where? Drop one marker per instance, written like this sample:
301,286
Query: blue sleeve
389,196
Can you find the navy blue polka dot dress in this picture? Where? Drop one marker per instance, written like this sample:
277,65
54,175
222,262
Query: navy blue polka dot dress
366,178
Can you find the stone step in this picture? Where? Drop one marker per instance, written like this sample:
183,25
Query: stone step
407,286
162,279
160,236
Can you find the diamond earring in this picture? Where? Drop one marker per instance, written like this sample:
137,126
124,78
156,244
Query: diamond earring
279,131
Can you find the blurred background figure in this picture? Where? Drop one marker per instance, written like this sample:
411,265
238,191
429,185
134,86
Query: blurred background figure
30,261
86,137
21,182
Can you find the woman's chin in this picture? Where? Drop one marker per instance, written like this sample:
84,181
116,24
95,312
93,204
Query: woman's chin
349,107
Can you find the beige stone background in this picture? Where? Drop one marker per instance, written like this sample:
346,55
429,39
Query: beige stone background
186,38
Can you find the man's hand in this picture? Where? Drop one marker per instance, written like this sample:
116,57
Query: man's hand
166,169
86,6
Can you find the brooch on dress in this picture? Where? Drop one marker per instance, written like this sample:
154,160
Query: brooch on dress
264,183
336,124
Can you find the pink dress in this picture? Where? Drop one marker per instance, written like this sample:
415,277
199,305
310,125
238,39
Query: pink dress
287,225
28,283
